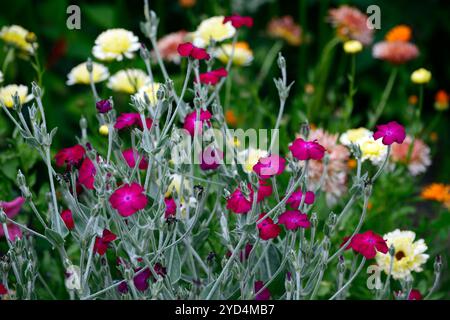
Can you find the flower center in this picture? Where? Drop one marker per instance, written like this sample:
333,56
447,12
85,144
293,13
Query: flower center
400,255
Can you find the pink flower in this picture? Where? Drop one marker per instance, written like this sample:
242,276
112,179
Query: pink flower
3,289
294,219
285,28
67,217
171,207
14,232
296,198
212,77
141,280
12,208
128,199
126,120
415,294
86,174
306,150
102,243
70,156
238,203
267,228
419,159
131,156
239,21
103,106
168,46
192,125
187,49
264,190
264,295
351,24
390,132
396,52
269,166
211,158
367,244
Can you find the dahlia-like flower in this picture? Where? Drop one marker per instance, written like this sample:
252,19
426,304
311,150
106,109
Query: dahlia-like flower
187,49
80,74
103,106
242,55
367,244
238,21
351,24
265,294
213,77
306,150
167,46
128,80
437,192
7,93
128,199
67,217
70,156
409,254
171,207
441,100
115,44
296,198
102,243
390,132
354,136
419,158
373,150
396,52
194,125
270,166
421,76
249,157
267,228
18,37
238,202
131,155
210,158
286,29
86,174
213,29
294,219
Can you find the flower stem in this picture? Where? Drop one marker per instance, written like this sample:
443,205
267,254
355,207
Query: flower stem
384,98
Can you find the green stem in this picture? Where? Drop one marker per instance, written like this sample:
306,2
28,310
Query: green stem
384,98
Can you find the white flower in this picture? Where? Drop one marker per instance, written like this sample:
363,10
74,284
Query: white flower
17,36
373,150
175,184
242,55
80,74
7,93
249,157
151,90
354,136
114,44
409,254
1,77
212,29
128,80
72,281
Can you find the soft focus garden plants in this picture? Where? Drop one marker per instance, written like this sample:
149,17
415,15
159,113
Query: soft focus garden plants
157,197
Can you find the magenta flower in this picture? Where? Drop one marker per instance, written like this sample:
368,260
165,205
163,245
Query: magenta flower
187,49
14,232
239,21
86,174
103,106
171,207
131,156
128,199
102,243
3,289
390,132
126,120
192,125
264,295
212,77
264,190
141,280
415,294
210,158
67,217
12,208
269,166
70,156
296,198
367,244
294,219
238,203
305,150
267,228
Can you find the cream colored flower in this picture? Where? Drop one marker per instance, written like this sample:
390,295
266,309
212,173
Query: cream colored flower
212,29
80,74
114,44
352,46
175,184
17,36
421,76
151,90
242,55
73,278
7,93
354,136
128,80
249,157
373,150
409,254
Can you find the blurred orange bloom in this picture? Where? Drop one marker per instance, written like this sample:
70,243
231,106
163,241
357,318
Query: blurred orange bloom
351,163
437,192
231,118
399,33
412,100
285,28
187,3
441,100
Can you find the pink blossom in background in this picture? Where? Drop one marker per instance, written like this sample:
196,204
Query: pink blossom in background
351,24
420,157
168,46
238,21
397,52
12,208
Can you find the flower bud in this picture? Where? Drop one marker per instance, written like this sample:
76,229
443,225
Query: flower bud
421,76
103,106
281,61
352,46
36,90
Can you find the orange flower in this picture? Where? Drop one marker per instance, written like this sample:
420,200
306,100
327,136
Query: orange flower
412,100
351,163
187,3
441,100
399,33
230,118
434,136
285,28
437,192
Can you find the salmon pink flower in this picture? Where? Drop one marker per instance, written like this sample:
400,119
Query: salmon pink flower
397,52
12,207
212,77
171,207
103,106
238,203
167,46
67,217
238,21
131,155
294,219
192,125
269,166
296,198
187,49
267,228
264,295
128,199
367,244
86,174
305,150
70,156
390,132
211,158
102,243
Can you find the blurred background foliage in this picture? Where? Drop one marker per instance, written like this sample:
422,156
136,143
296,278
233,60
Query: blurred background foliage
60,49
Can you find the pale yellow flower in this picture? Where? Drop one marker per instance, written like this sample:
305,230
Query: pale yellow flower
212,29
373,150
421,76
175,185
7,93
103,130
80,74
409,254
352,46
17,36
151,89
249,157
128,80
354,136
114,44
242,55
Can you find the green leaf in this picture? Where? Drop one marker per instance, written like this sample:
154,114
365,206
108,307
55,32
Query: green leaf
174,264
54,237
